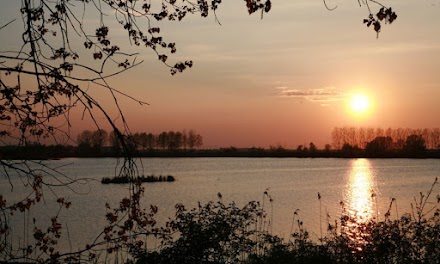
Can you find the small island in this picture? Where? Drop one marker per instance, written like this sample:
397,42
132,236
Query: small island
126,179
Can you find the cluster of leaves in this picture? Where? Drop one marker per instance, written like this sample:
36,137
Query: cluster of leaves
255,5
128,226
386,15
45,242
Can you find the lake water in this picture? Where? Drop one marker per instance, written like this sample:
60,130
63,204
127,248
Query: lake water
292,183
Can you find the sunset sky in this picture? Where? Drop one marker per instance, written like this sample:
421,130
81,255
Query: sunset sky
285,79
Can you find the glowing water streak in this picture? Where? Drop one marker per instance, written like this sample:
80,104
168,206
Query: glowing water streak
360,190
360,198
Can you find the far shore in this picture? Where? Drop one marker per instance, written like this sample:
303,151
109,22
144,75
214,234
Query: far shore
42,152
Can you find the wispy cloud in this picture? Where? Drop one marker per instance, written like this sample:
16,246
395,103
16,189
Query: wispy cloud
322,96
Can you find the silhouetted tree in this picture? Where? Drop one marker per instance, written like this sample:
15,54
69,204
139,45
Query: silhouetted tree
151,141
91,142
99,138
350,151
174,140
85,140
162,140
139,140
337,138
114,141
199,141
435,138
312,147
379,145
415,144
360,136
192,138
184,139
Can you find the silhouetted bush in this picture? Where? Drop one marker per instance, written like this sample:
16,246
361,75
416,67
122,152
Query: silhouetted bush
220,233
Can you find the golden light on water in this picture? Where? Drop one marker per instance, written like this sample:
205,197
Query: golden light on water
360,189
359,200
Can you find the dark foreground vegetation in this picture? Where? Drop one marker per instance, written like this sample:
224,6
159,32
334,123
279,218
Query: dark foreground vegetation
221,233
149,178
225,233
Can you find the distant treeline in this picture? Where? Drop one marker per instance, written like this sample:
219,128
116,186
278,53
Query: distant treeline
347,142
95,140
41,152
100,143
168,140
390,138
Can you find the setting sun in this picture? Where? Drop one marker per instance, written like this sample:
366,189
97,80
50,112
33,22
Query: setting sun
359,103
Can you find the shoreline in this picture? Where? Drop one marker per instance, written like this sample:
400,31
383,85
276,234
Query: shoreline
58,152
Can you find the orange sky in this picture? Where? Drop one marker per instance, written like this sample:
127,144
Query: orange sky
285,79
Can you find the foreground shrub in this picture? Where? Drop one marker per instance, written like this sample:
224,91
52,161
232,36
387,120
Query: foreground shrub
219,233
211,233
399,241
216,233
412,238
226,233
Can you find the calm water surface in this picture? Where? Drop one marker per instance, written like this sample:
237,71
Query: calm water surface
292,183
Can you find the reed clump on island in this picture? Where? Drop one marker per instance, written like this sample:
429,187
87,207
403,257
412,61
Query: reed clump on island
139,179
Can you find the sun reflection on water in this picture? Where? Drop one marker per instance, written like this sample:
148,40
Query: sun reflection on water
360,198
361,190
